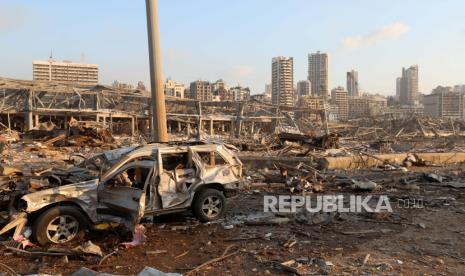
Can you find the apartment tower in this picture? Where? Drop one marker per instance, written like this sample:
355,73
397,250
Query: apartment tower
409,86
304,88
339,98
318,73
282,81
201,91
352,84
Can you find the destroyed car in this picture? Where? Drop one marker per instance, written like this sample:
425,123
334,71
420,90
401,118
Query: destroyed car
148,180
103,161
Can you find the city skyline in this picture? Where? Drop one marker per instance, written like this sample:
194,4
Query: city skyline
117,41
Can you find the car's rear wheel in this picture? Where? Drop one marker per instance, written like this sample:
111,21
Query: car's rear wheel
208,205
60,224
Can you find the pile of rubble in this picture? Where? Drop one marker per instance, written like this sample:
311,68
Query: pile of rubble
78,134
370,156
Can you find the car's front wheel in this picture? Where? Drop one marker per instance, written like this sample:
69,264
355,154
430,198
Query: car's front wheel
208,205
59,225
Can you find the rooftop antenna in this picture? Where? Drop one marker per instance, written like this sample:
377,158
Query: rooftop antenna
51,55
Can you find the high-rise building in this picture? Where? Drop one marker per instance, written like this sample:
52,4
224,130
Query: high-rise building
318,73
282,81
352,84
66,71
443,102
174,89
398,83
409,86
304,88
339,98
201,90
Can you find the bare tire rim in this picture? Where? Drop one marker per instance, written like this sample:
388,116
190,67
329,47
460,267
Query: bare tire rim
62,229
212,206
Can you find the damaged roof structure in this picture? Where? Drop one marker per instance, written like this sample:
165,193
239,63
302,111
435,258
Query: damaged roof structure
25,104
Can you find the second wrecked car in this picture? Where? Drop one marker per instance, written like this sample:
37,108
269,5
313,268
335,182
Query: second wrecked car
148,180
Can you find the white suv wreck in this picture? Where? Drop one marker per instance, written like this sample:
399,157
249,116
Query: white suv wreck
148,180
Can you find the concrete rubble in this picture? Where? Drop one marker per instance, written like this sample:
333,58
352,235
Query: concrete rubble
417,162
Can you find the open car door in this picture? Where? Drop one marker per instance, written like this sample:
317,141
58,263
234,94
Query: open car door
213,167
176,175
121,195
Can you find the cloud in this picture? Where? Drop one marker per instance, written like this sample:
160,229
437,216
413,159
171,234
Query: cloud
391,31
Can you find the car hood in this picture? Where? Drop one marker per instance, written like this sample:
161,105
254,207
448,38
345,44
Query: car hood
83,194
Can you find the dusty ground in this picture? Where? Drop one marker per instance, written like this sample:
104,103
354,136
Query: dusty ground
409,241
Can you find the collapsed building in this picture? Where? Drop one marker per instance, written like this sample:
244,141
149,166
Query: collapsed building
27,105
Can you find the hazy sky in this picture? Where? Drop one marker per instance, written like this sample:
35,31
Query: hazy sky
236,39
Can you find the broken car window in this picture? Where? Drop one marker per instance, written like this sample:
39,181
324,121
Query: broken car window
173,161
219,160
211,158
131,177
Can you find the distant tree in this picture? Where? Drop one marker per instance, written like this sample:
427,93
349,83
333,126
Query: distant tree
141,86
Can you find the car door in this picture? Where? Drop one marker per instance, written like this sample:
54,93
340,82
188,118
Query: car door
214,168
232,160
125,201
175,176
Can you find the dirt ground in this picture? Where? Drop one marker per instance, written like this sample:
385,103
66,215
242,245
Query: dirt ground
425,239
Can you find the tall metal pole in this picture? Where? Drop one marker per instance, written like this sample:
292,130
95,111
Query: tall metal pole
158,129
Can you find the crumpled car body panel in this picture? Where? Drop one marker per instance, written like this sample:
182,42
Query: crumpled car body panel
84,194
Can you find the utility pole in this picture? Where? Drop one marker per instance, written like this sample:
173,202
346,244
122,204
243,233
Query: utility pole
158,128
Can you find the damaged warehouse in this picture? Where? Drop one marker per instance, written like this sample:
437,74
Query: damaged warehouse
28,105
